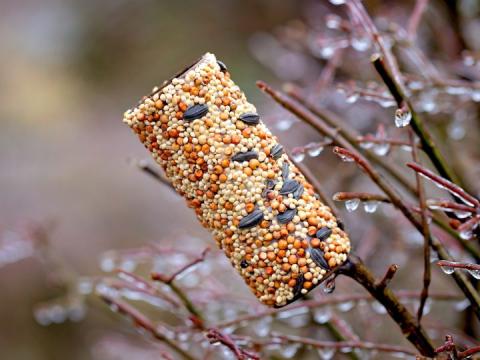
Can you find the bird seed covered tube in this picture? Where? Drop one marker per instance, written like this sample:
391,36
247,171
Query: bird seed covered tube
244,189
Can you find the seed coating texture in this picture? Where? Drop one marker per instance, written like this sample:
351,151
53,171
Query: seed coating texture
242,186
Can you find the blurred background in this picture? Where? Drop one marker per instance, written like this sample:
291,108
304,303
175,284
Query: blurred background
69,71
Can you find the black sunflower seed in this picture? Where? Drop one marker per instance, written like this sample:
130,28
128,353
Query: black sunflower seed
276,151
271,184
250,118
243,264
324,233
286,216
317,257
298,285
299,192
245,156
285,170
251,219
289,186
195,112
340,224
222,65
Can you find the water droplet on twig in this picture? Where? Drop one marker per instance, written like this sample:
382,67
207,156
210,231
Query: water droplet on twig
314,149
370,206
326,353
322,315
352,204
402,117
447,269
474,273
298,154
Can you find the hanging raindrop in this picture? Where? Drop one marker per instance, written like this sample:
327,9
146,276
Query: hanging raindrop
352,204
298,154
370,206
314,149
474,273
402,117
447,269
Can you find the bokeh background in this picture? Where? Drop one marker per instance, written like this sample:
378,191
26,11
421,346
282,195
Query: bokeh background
69,69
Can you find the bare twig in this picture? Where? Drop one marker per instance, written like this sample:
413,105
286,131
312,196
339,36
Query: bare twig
418,10
459,265
452,188
148,169
197,316
362,196
215,335
142,321
427,272
168,279
345,344
389,274
355,269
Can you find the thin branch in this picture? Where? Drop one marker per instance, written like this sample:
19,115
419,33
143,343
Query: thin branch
459,265
148,169
345,344
331,300
197,316
214,335
414,21
355,269
362,196
169,279
427,271
142,321
454,189
389,274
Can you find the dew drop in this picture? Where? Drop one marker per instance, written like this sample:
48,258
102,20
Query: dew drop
346,349
329,285
461,305
360,43
322,315
337,2
381,149
314,149
326,52
466,234
447,269
346,306
351,99
262,326
298,154
352,204
290,350
366,145
402,117
284,124
84,285
462,214
326,353
370,206
474,273
456,131
107,262
333,21
475,95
